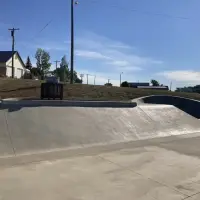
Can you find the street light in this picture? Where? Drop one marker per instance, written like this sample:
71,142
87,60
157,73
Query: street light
72,40
121,78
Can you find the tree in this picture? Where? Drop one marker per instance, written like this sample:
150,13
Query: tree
76,78
64,69
28,63
125,84
108,84
42,63
195,89
64,73
35,71
155,82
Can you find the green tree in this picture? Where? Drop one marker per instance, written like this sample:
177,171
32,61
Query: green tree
42,63
125,84
35,71
28,63
64,69
108,84
155,82
190,89
63,72
75,77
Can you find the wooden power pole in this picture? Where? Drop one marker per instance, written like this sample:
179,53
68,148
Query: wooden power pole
13,47
57,61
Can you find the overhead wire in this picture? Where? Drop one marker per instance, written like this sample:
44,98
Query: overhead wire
39,32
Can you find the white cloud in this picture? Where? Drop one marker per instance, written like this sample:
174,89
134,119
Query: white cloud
181,75
113,53
119,63
91,55
130,68
120,45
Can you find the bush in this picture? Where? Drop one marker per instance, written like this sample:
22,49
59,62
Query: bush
27,75
125,84
108,84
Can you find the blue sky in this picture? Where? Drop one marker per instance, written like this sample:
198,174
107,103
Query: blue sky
144,39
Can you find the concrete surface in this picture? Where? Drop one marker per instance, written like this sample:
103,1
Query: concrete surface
146,173
148,152
41,128
189,106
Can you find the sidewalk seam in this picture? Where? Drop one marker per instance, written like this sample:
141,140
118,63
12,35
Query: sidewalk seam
10,138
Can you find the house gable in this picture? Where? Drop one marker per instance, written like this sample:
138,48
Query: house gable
16,57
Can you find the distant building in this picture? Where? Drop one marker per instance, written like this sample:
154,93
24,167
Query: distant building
136,85
154,87
147,86
6,64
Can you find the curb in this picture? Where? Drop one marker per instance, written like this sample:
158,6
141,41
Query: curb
67,103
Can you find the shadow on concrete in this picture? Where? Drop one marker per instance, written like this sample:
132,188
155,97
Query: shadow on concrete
186,146
189,106
16,105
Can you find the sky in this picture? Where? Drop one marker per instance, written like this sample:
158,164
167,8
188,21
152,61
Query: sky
139,39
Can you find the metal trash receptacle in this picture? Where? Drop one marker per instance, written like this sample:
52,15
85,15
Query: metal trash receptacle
51,91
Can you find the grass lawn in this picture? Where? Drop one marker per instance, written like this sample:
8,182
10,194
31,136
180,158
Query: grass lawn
31,89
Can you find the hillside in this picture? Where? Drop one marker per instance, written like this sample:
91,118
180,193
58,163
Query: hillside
31,89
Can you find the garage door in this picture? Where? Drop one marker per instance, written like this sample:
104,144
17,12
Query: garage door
19,73
9,71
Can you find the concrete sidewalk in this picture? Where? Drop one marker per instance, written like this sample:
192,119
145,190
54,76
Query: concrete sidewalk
163,171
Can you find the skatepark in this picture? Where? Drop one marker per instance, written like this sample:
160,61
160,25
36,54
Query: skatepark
147,148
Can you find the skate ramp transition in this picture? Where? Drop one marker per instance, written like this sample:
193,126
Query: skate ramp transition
31,127
189,106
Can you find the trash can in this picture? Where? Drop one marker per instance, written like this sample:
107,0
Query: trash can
51,91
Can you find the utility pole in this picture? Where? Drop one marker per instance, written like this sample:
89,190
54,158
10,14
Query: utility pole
120,79
13,47
87,78
94,79
82,75
72,43
171,86
57,61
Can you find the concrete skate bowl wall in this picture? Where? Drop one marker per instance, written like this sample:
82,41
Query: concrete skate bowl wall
189,106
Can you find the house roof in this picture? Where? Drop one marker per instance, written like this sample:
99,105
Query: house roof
138,84
153,87
6,55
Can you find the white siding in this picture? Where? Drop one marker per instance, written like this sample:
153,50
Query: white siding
18,67
19,73
9,71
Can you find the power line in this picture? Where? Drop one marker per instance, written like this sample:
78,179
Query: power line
40,31
143,12
43,28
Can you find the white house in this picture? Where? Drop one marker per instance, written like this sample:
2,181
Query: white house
6,64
